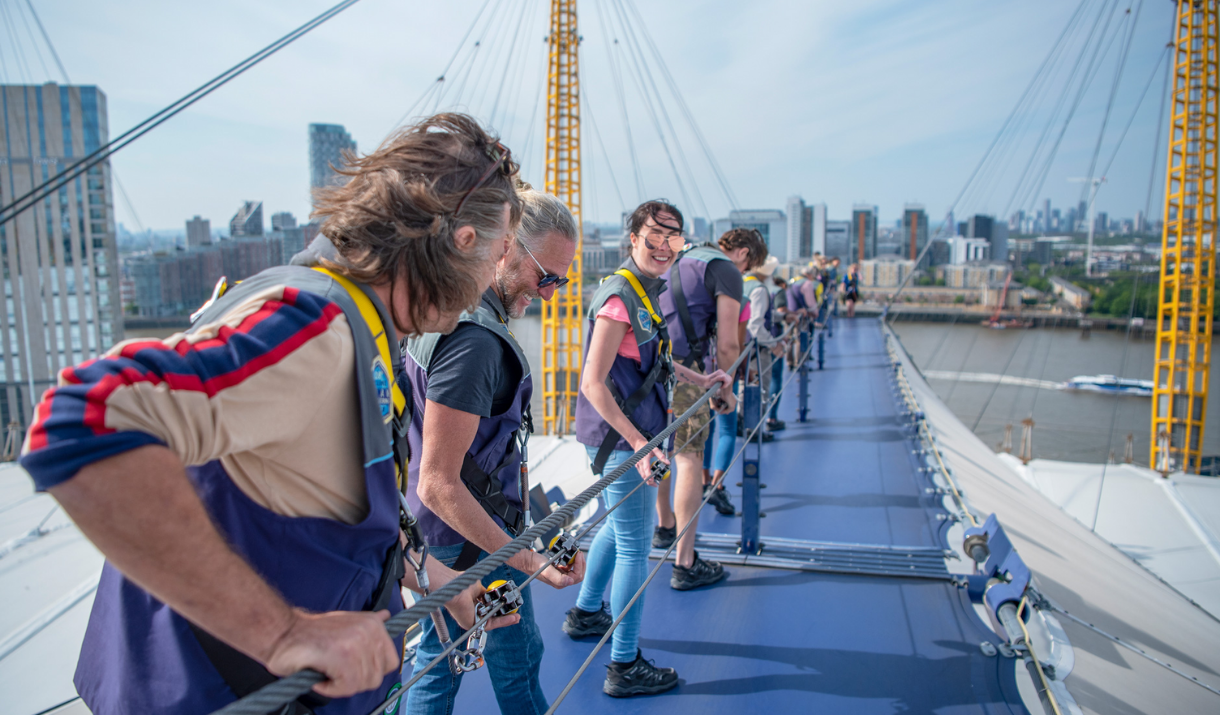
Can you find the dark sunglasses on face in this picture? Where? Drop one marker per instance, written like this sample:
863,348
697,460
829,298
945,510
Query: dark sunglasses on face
547,279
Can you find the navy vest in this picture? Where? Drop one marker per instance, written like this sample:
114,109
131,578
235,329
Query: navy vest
627,375
495,443
692,271
139,656
796,298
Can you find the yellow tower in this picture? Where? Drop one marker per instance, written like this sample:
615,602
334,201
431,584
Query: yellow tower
1188,252
562,316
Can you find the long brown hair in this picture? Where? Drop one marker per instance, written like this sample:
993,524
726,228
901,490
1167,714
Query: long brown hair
396,217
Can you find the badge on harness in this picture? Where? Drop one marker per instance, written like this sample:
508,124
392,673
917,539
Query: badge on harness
644,319
381,383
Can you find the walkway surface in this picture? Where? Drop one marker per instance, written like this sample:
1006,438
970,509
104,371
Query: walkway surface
798,641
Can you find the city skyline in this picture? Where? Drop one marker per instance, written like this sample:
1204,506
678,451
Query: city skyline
865,101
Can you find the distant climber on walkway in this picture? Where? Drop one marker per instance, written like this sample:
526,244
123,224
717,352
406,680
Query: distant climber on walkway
851,289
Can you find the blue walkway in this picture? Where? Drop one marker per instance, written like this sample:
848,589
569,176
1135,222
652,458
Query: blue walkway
791,641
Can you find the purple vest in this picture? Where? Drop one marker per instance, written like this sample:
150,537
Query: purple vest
651,416
139,656
796,298
701,306
495,442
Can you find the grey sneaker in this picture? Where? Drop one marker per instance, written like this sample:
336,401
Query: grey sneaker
579,624
639,677
700,573
663,536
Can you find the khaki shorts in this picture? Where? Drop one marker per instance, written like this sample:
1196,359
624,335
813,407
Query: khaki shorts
692,433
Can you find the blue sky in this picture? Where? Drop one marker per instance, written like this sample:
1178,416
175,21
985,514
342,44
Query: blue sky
877,101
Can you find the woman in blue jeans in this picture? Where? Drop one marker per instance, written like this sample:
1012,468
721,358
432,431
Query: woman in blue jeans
627,351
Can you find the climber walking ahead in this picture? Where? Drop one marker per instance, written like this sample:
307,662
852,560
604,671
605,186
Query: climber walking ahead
471,434
702,306
624,396
242,478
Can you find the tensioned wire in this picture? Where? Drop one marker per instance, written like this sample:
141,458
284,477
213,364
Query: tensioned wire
664,557
287,689
588,528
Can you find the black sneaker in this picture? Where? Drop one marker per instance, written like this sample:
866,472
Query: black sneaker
639,677
720,501
776,425
663,536
579,624
700,573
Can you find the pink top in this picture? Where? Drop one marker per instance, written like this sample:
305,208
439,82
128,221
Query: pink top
614,309
745,312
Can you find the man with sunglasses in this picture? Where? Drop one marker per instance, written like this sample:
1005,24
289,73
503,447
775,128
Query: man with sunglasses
469,438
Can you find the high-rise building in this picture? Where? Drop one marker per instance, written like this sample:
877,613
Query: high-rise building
800,230
60,260
914,231
283,220
198,232
327,142
1047,225
863,232
1141,224
838,241
248,221
817,237
771,223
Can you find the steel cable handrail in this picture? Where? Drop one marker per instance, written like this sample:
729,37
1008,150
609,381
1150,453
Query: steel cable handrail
664,557
289,688
32,197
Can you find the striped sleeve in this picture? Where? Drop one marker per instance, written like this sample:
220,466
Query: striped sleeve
173,392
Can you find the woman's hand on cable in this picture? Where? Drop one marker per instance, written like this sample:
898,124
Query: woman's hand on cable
528,561
727,401
352,649
644,466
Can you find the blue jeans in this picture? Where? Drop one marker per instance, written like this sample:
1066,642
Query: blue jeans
721,440
777,382
513,656
620,549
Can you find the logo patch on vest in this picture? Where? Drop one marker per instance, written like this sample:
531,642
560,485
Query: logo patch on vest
381,383
644,319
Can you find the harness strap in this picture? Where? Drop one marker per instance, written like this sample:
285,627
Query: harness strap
697,343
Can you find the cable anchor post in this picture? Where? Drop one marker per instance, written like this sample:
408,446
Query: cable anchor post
821,349
750,468
803,371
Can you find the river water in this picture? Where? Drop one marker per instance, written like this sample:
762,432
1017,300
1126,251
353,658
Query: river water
992,378
1013,374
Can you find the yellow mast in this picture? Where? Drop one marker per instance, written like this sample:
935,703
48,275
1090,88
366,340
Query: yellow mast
562,317
1188,252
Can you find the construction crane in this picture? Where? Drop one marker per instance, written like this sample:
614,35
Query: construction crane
562,316
1188,253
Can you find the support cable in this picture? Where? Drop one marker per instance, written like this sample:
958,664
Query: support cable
1105,117
617,80
45,189
642,86
630,30
690,117
1157,152
277,694
494,46
1122,368
1134,112
512,55
20,12
47,38
598,136
17,55
1022,189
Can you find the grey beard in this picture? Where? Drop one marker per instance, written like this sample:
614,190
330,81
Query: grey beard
509,298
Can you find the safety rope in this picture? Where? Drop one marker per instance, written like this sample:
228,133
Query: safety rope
664,557
285,690
1029,648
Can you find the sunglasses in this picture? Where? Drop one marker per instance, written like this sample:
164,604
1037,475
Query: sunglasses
676,241
547,279
502,160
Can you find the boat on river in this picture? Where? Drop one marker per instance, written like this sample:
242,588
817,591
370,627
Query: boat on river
1110,384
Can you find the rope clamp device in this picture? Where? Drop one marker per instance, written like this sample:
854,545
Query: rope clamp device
563,549
1002,579
502,598
660,470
